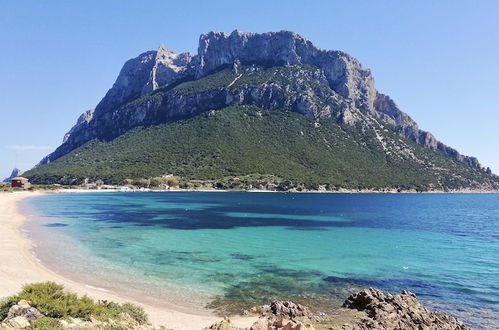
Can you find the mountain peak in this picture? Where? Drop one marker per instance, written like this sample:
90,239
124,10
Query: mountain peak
321,84
15,172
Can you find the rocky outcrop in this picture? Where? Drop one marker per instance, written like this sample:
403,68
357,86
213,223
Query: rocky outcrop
347,92
15,172
345,74
20,316
131,80
367,309
264,324
283,309
168,68
281,324
387,311
81,124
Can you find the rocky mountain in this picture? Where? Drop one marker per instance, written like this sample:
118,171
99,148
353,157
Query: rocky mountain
271,71
15,172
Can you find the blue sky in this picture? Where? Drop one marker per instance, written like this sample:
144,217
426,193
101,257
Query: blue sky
439,60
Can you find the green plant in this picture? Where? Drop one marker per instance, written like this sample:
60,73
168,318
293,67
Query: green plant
114,310
51,300
6,304
136,312
46,323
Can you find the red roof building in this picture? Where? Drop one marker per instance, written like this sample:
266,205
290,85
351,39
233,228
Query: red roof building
20,182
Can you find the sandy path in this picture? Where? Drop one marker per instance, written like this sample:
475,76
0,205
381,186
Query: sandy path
18,267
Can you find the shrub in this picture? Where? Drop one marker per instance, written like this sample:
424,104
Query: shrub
172,181
156,182
6,304
142,183
136,312
113,310
51,300
46,323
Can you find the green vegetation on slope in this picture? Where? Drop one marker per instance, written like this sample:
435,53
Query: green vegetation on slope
55,304
246,141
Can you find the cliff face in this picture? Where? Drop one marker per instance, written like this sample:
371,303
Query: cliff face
326,84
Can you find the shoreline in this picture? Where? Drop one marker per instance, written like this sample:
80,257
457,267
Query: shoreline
340,191
20,267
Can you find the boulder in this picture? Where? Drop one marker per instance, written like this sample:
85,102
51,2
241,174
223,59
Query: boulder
21,316
18,322
387,311
225,324
283,309
282,324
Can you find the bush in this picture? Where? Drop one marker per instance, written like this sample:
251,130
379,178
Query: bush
46,323
142,183
5,305
51,300
135,312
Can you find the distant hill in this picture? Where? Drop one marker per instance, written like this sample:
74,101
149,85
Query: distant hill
15,172
255,108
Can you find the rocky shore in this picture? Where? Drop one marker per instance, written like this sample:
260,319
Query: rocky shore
367,309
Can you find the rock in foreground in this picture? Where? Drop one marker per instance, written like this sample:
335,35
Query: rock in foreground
367,309
387,311
20,316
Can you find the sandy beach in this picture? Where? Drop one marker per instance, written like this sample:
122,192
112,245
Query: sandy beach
19,267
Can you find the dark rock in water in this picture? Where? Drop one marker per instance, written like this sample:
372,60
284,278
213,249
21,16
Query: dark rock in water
56,224
387,311
15,172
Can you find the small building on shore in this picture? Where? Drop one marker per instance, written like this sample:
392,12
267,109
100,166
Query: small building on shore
20,182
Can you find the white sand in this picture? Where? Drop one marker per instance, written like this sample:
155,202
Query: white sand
18,267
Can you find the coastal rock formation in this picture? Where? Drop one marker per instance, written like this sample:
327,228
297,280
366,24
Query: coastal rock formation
283,309
350,97
365,310
387,311
282,324
264,324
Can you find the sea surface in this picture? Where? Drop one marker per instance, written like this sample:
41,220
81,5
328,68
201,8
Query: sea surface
232,250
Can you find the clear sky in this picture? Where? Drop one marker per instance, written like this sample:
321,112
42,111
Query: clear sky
439,60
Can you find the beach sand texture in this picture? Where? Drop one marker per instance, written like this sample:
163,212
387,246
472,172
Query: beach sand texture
18,267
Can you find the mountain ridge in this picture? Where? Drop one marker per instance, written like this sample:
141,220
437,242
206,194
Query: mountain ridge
275,70
345,75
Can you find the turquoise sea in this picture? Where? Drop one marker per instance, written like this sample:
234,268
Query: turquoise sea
234,249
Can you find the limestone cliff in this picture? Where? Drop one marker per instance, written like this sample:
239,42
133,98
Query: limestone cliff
330,84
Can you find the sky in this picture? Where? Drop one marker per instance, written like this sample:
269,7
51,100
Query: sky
439,60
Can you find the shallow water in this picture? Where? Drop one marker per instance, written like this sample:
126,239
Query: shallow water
189,248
